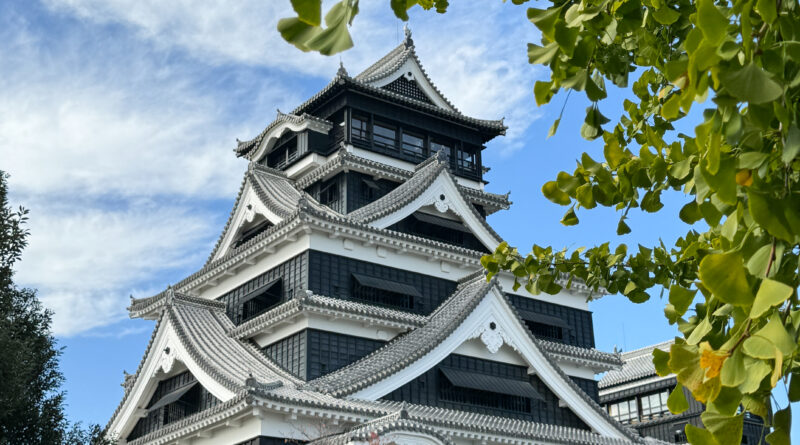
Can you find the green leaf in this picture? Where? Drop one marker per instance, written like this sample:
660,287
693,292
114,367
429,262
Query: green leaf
681,298
551,191
711,22
759,347
592,124
751,159
661,362
757,264
792,147
613,153
308,11
543,92
767,9
294,31
666,15
699,332
751,84
553,128
756,370
676,402
699,436
672,107
542,54
794,388
779,217
623,228
725,276
545,20
570,218
584,196
725,429
782,426
690,213
651,202
733,371
770,293
335,38
775,333
566,38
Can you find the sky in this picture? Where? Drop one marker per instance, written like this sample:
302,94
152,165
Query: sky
118,119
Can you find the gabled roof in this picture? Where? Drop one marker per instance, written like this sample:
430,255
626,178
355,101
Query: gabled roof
362,377
389,67
282,123
637,364
378,428
344,159
273,190
420,182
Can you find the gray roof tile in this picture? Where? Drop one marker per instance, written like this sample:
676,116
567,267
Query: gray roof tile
637,364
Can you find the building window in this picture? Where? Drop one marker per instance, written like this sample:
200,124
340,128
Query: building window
385,136
384,292
546,331
370,190
469,388
413,145
654,405
359,128
626,411
466,160
260,300
329,193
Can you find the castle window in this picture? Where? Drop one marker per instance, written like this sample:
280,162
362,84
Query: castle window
654,405
329,193
466,160
385,136
545,326
359,128
413,144
485,390
625,411
261,300
384,292
370,190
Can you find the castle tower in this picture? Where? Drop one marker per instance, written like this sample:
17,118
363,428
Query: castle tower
345,301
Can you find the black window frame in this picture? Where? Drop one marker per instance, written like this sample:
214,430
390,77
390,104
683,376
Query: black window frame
408,148
261,300
363,132
381,141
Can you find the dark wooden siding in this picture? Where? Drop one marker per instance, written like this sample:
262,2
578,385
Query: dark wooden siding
293,274
264,440
589,386
318,190
312,353
291,353
425,390
360,194
332,275
581,332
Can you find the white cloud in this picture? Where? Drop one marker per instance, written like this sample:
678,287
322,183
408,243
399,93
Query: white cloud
86,264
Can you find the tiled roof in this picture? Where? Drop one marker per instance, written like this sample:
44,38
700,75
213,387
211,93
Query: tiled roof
611,361
244,147
381,426
344,159
274,190
425,174
390,63
309,302
637,364
408,348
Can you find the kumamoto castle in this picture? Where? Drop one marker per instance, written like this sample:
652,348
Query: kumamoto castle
345,302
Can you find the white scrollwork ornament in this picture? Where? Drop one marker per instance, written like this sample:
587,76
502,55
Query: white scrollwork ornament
249,213
492,336
441,203
167,360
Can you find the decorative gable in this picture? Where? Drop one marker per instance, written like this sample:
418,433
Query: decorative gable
406,86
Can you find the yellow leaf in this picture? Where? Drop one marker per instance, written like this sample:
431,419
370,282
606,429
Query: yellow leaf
711,360
744,178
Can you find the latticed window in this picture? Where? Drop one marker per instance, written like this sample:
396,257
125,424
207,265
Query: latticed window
413,144
546,331
466,160
260,300
359,128
468,388
625,411
654,405
385,136
329,193
384,292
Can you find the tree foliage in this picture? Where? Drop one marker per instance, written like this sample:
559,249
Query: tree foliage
732,279
31,402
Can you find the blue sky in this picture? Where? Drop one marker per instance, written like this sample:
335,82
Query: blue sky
118,119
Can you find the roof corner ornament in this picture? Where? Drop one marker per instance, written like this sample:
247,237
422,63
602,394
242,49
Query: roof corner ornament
167,359
127,380
408,42
342,72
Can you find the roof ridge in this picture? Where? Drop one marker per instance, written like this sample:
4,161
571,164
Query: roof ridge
645,349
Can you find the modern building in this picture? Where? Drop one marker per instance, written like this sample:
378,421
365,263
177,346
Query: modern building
345,301
636,396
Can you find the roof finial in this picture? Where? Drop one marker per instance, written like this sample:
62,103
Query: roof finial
407,42
342,72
